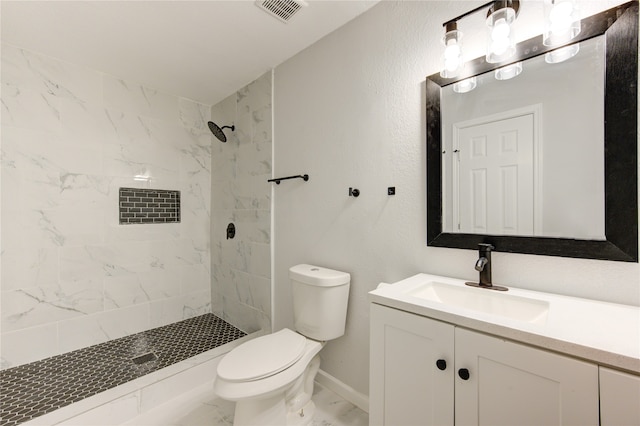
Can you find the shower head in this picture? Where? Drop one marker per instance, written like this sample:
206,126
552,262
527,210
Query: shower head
217,131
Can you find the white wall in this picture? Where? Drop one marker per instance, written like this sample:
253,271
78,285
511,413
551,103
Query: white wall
71,275
240,194
350,112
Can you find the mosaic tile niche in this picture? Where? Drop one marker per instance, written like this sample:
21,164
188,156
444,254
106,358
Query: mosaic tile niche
149,206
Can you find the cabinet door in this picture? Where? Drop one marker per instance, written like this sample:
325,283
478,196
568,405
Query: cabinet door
619,398
407,387
514,384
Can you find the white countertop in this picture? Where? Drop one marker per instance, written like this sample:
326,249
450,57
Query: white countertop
604,333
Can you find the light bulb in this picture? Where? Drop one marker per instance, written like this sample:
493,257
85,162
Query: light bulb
562,54
501,45
451,64
560,17
465,86
562,23
508,72
561,11
501,30
452,55
452,51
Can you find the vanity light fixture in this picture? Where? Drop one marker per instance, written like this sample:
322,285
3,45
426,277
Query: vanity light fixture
465,85
452,57
501,41
500,17
509,71
562,22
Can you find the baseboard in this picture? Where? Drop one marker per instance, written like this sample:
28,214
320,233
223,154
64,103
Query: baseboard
345,391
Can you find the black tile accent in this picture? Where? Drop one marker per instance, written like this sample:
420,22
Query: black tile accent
139,205
34,389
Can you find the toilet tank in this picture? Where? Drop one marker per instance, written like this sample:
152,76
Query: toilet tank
320,297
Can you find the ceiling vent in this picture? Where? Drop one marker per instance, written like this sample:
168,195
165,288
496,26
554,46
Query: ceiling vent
284,10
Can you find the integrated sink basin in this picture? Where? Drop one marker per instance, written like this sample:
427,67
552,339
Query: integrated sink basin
452,293
481,300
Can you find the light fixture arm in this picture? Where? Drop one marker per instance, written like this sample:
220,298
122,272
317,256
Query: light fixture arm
493,6
464,15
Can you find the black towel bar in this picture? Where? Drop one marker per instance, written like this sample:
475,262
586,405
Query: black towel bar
277,180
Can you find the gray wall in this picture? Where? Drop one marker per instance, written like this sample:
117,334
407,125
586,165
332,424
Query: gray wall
350,111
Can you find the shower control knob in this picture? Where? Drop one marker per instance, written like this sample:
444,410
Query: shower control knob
231,231
441,364
464,374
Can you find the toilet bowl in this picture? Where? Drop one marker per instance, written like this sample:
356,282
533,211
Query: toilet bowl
263,390
271,377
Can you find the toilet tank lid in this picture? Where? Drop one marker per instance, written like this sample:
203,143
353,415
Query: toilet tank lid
319,276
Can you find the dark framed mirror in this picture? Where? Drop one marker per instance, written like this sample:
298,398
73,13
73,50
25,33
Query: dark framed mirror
619,30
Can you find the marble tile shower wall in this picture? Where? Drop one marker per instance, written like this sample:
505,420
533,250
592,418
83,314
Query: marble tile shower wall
71,276
241,267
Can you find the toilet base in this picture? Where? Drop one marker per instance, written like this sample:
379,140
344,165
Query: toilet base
272,412
267,412
292,407
302,417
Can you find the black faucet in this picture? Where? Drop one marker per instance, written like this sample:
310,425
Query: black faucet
483,265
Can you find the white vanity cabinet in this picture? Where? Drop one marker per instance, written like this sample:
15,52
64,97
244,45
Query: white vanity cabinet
514,384
619,398
412,365
428,372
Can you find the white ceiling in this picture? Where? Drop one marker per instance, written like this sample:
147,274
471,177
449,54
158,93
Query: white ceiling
202,50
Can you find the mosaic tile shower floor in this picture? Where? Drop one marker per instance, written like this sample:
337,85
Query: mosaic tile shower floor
37,388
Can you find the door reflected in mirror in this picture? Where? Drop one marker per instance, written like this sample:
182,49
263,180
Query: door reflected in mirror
525,156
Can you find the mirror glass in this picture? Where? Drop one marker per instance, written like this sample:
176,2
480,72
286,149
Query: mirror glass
525,156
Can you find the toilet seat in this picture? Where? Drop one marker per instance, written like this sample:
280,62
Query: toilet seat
262,357
262,388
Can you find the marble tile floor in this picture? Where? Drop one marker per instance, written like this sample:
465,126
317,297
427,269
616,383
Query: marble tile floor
200,407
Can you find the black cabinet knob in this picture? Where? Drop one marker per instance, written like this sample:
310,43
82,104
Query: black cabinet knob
463,373
441,364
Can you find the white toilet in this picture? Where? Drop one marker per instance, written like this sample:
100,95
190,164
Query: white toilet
271,377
